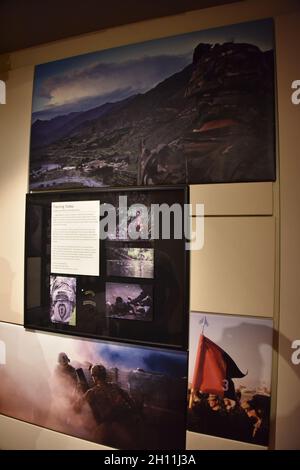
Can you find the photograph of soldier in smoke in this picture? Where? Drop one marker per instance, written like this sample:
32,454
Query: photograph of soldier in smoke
129,301
229,384
130,262
121,396
63,300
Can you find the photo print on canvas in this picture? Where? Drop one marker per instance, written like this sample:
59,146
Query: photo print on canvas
229,382
187,109
118,395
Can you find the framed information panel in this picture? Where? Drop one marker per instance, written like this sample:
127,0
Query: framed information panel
108,264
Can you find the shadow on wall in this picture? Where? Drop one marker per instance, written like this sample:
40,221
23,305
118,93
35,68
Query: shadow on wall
6,284
24,392
255,336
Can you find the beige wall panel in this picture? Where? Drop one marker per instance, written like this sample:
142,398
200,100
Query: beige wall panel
233,199
288,398
14,137
196,441
17,435
234,271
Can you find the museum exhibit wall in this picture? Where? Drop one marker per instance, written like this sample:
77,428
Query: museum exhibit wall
249,264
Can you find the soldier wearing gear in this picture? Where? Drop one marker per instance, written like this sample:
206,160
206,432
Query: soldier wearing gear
113,410
65,375
107,400
98,373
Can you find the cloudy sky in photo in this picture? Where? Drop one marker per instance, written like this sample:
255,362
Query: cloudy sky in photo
21,349
84,82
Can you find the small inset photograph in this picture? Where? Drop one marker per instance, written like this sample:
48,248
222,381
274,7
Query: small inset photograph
129,301
139,222
130,262
133,218
63,300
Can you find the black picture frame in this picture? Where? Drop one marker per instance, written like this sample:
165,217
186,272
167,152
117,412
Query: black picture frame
166,326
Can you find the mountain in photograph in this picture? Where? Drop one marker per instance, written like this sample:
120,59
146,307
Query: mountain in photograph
211,121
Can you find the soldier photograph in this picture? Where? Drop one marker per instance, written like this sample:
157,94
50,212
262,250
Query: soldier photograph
63,300
118,395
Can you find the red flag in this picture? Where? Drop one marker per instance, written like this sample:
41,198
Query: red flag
210,368
214,368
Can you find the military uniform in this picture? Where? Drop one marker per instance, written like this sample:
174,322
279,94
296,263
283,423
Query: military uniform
115,415
109,403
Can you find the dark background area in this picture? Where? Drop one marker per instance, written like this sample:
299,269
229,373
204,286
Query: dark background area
27,23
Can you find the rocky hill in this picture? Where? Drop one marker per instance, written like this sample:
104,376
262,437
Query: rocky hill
211,122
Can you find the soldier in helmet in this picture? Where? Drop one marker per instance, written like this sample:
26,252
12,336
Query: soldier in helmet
113,410
65,375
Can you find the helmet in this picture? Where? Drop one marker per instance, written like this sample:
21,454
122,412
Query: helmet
63,358
60,295
98,371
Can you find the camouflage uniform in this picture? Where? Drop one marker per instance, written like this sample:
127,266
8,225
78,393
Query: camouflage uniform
109,403
114,412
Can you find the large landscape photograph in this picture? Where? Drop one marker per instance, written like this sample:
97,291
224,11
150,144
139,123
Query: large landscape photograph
194,108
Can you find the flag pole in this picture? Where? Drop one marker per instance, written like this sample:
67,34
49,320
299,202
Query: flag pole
191,399
204,325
